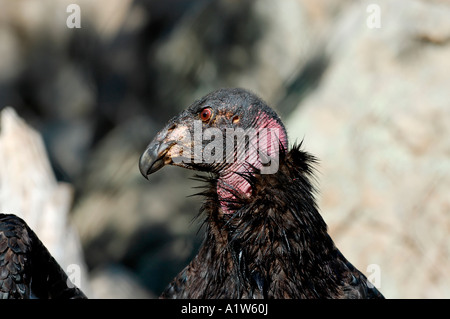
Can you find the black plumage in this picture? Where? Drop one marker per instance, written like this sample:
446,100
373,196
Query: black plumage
27,269
264,235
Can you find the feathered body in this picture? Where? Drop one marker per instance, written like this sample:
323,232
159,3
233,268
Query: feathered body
274,246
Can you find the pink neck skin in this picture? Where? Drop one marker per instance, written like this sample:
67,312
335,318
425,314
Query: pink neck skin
230,182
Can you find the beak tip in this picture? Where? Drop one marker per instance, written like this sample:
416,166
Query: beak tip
151,160
143,167
145,163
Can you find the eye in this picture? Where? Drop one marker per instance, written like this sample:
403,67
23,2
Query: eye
205,114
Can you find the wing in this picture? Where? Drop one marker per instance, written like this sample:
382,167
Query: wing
356,285
15,246
177,288
27,269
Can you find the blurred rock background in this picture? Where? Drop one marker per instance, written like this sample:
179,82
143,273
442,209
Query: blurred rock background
370,100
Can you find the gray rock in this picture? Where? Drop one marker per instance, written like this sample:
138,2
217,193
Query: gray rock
378,121
29,189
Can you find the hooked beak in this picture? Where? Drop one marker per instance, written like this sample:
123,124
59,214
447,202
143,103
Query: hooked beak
164,149
154,158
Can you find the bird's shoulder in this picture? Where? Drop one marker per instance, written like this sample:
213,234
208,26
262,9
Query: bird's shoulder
355,285
15,246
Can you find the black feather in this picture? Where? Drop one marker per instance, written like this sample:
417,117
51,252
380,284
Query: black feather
275,245
26,266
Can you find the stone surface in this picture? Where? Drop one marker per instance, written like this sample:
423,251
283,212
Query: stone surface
29,189
379,122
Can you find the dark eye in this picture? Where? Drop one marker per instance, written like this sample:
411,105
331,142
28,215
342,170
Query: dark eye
205,114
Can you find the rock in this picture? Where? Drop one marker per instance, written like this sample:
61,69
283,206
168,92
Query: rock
29,190
378,121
